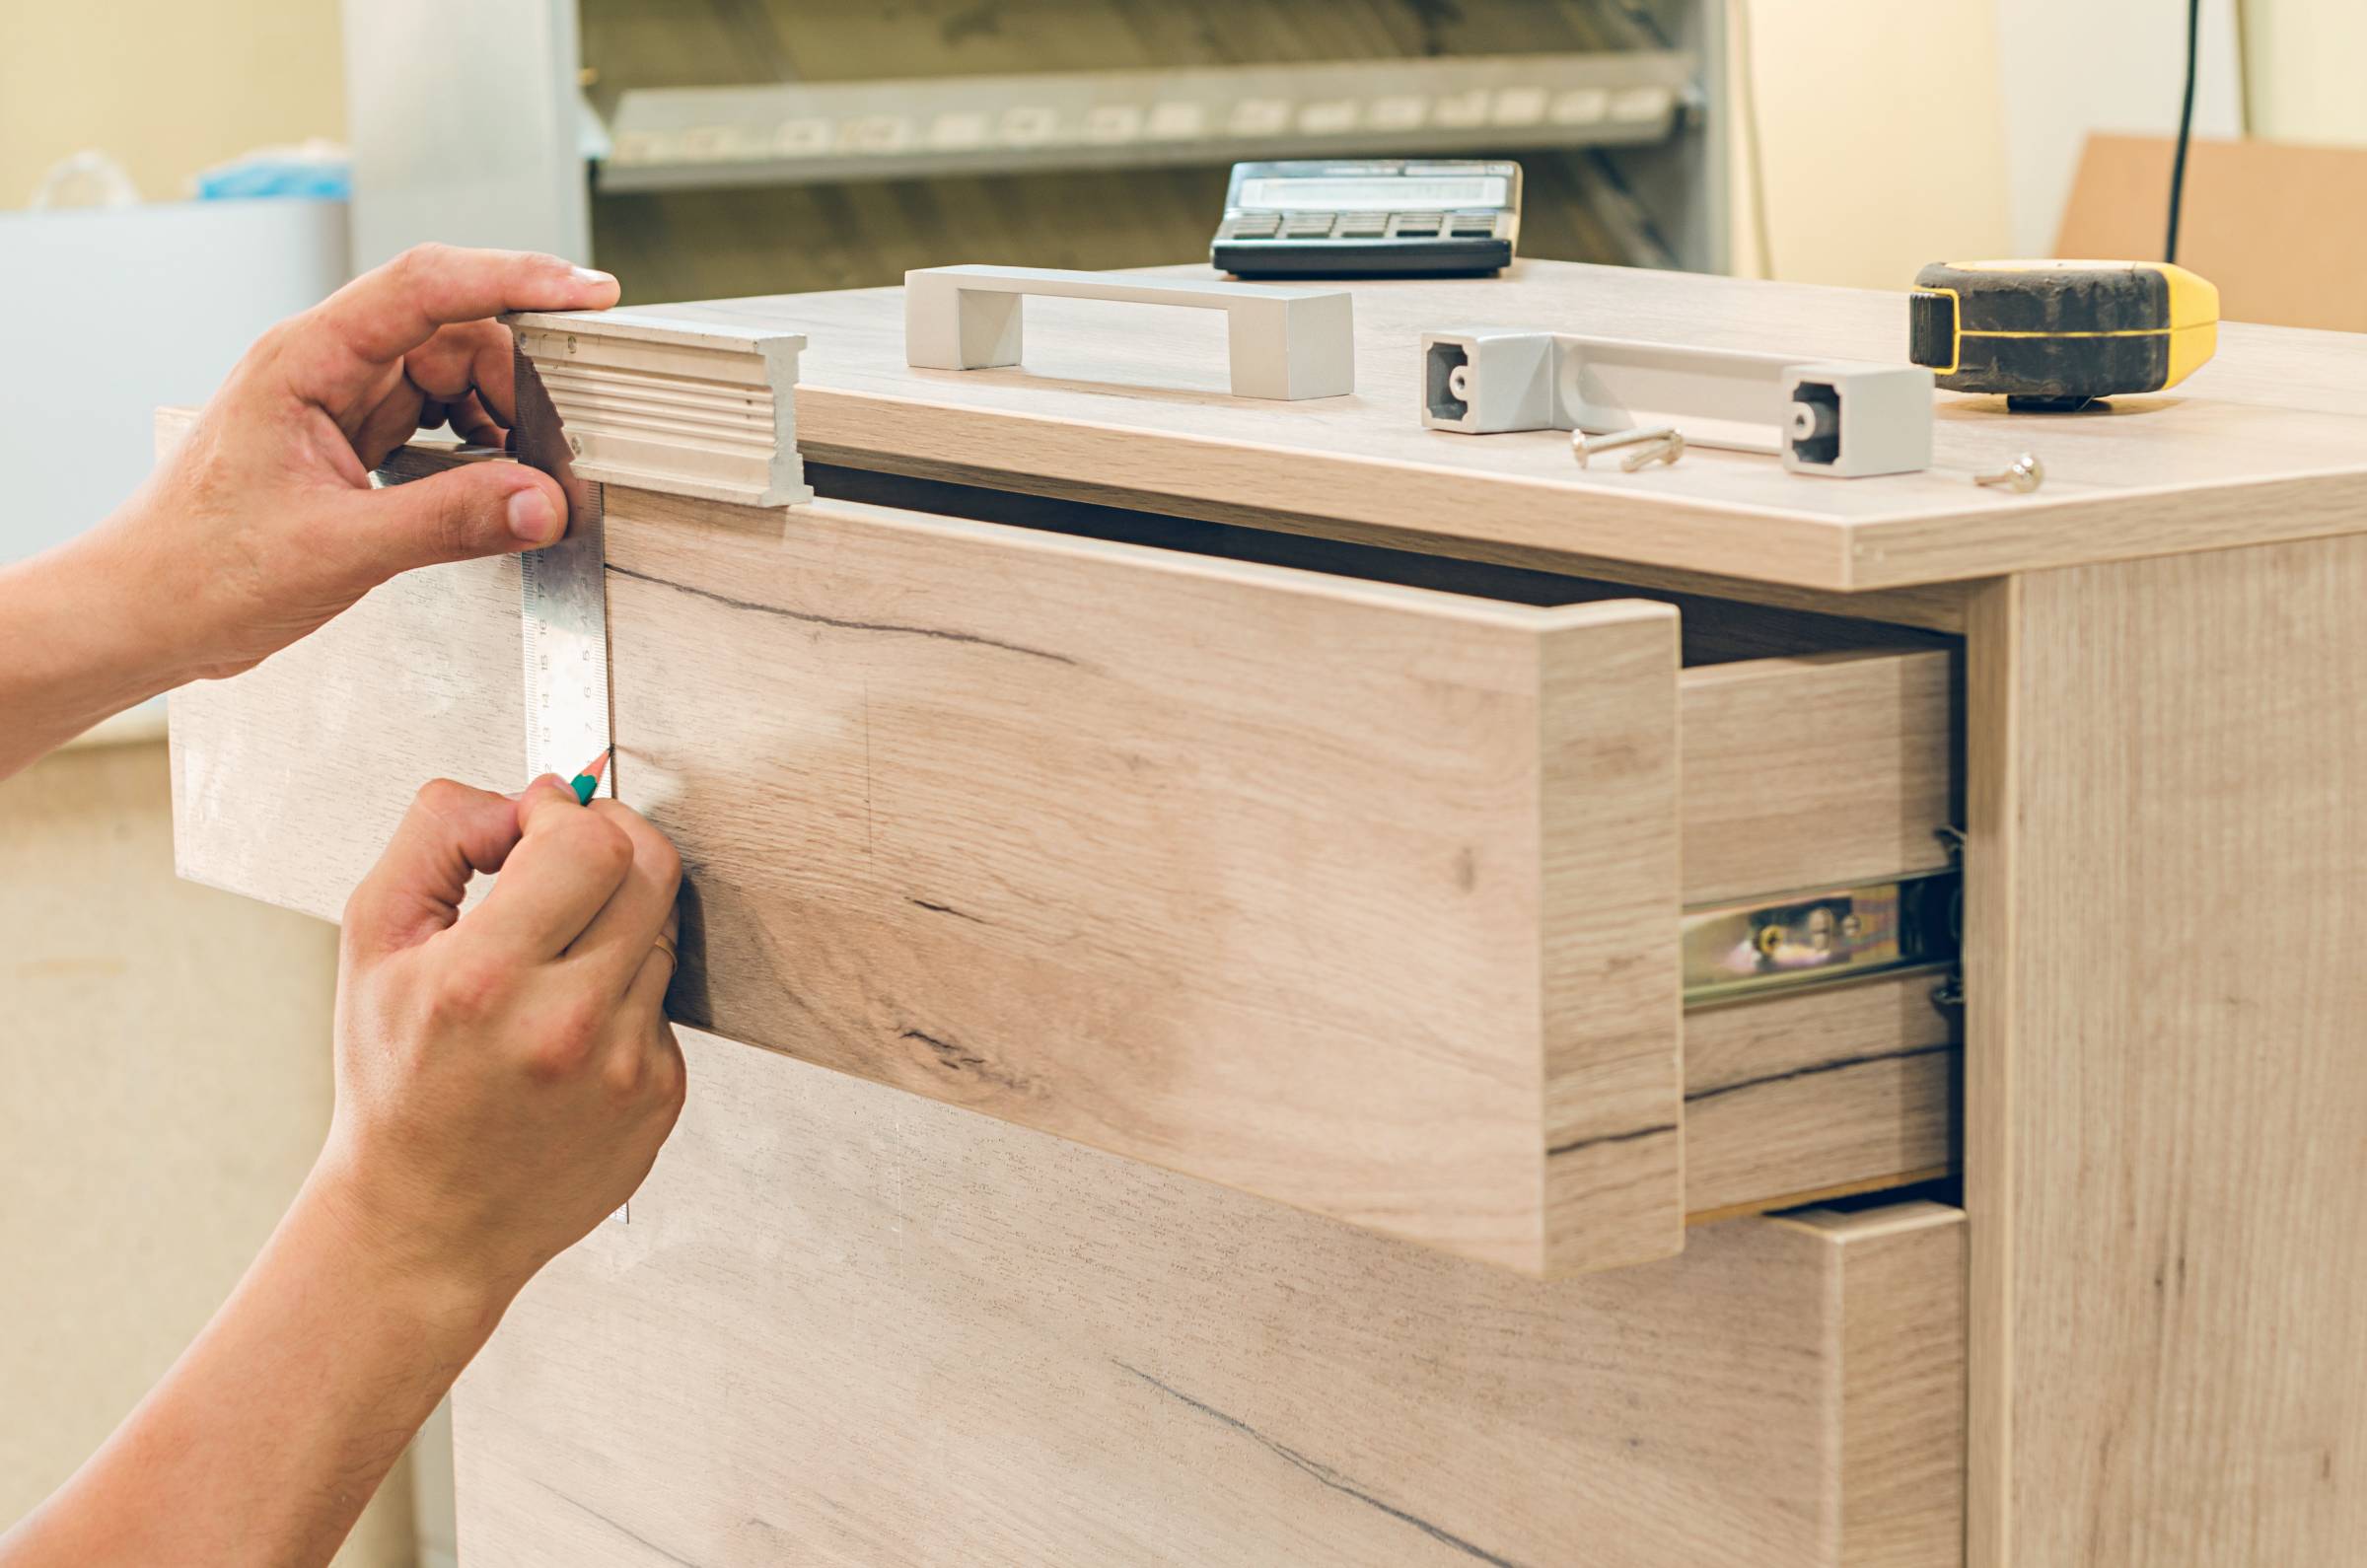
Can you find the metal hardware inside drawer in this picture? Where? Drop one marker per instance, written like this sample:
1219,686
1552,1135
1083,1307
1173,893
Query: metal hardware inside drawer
1736,951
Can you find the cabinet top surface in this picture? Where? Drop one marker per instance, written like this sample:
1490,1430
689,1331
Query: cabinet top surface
2267,442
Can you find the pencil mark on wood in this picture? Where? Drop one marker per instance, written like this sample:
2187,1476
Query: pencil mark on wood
1837,1064
1637,1136
946,909
1319,1471
889,627
639,1541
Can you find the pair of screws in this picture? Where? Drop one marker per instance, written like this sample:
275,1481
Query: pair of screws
1659,443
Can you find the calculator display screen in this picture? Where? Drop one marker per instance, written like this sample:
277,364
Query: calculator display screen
1393,193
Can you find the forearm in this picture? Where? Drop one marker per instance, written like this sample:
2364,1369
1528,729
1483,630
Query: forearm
266,1438
79,624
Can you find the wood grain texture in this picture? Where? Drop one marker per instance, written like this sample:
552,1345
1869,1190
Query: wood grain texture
1830,1087
1901,1480
2167,1153
1611,1009
1818,770
1086,839
288,780
2254,448
845,1327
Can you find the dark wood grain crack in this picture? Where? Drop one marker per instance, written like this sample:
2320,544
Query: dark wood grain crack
960,1059
1318,1471
889,627
946,909
642,1541
1837,1064
1640,1133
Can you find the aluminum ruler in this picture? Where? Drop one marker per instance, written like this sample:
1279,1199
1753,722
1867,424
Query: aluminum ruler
563,604
563,610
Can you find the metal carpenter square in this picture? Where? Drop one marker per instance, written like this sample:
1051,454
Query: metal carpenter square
563,604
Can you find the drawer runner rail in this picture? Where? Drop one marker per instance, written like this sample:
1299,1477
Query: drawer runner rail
1735,952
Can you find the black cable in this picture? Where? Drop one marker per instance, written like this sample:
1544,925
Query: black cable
2186,127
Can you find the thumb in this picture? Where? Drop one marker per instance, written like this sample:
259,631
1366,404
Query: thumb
477,509
415,889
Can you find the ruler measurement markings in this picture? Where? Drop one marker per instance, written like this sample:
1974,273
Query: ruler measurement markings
562,606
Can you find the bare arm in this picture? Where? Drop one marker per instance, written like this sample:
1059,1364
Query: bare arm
263,525
276,1426
504,1080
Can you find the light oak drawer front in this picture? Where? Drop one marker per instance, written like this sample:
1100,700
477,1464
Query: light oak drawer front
1358,896
842,1325
1346,893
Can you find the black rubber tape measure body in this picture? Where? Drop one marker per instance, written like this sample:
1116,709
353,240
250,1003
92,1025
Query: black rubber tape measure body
2057,335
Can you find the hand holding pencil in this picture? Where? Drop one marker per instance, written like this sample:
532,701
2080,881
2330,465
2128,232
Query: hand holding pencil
505,1076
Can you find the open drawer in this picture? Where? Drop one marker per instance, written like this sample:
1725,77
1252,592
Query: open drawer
1352,894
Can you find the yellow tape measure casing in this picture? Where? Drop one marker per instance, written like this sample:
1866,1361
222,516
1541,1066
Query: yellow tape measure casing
2057,334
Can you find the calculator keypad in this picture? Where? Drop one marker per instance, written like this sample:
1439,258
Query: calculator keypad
1302,226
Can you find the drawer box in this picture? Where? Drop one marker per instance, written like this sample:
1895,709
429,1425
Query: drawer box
1353,893
844,1326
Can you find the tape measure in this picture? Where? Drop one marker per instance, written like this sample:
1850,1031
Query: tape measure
2052,336
563,604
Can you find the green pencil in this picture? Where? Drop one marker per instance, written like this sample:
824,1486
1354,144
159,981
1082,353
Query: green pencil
588,781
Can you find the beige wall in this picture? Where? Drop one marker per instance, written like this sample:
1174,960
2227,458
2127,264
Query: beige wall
167,87
2302,60
1880,142
167,1050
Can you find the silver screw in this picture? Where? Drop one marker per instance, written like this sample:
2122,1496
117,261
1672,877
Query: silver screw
2022,476
1659,443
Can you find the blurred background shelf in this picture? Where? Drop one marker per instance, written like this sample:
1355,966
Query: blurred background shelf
725,147
663,138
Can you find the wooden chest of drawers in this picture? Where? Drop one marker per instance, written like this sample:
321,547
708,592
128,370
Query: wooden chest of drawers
1302,810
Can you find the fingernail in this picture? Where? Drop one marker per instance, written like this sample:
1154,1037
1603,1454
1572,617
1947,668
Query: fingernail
590,278
531,518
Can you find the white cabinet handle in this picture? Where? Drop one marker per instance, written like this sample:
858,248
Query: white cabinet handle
1284,342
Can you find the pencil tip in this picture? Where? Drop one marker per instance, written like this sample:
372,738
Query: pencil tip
598,765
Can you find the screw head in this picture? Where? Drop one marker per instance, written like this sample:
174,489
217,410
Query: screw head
2022,475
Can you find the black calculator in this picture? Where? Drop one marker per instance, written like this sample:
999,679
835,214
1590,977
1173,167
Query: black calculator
1315,217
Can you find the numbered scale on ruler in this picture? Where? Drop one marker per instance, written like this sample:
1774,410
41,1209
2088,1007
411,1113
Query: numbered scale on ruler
1371,217
563,604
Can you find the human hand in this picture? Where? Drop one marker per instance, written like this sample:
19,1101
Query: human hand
262,523
505,1077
